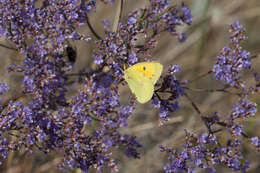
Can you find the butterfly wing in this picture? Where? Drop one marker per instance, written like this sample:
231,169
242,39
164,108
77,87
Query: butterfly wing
152,70
139,84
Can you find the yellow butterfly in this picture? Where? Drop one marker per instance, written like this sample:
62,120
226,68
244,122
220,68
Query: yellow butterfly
141,78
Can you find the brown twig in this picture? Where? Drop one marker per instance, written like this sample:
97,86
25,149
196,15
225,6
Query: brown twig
92,29
203,118
193,105
13,98
201,76
212,90
7,47
206,119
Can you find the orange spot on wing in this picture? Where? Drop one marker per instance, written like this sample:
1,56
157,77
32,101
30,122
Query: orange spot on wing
145,71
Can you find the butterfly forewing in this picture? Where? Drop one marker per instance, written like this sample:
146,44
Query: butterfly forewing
152,70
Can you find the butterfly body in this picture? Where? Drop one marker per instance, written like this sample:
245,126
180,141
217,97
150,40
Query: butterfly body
141,78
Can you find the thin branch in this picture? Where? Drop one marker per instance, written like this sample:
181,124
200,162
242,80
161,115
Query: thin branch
77,74
201,76
11,134
254,56
203,118
7,47
223,124
216,131
193,105
211,90
206,119
92,29
13,98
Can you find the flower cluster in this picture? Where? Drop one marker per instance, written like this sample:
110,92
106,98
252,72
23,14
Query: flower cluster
230,62
205,152
233,59
97,101
172,86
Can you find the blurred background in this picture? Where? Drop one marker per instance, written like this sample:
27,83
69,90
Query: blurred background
207,35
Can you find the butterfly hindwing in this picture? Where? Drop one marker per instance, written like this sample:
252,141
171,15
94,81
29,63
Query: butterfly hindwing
140,86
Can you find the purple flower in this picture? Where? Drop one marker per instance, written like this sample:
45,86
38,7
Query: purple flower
3,88
131,21
75,36
255,141
163,113
113,48
234,163
244,108
174,69
236,26
246,165
3,31
237,130
106,23
132,58
156,103
203,138
98,59
180,36
186,17
30,140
